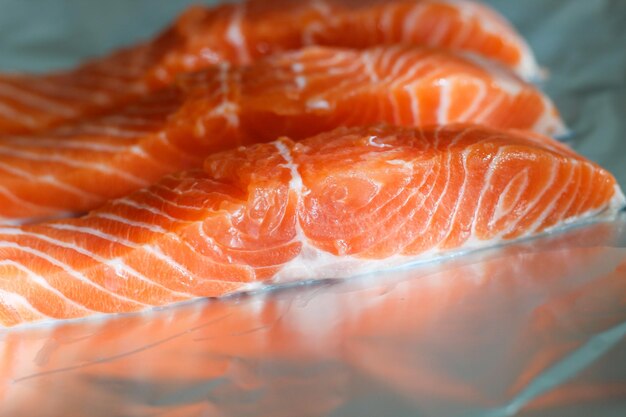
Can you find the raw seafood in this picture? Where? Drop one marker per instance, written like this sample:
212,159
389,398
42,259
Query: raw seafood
77,167
334,205
240,33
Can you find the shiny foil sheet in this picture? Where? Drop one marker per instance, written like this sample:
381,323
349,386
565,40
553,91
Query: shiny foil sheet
536,328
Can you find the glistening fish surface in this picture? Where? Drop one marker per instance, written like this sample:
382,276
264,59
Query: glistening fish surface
334,205
239,34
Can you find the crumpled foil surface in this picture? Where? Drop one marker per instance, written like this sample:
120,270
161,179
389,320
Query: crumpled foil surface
536,328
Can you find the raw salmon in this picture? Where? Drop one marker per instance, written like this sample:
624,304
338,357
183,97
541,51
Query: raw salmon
338,204
240,33
30,103
76,168
439,306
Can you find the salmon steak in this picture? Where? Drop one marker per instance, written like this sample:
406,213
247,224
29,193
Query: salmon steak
239,34
335,205
76,167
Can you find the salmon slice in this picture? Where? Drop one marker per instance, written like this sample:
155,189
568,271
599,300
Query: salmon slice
30,103
77,167
547,287
241,33
562,274
345,202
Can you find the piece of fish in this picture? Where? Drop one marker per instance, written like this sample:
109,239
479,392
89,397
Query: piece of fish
30,103
345,202
439,305
240,33
301,93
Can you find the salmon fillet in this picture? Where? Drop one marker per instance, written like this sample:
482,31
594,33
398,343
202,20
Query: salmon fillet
341,203
77,167
406,304
240,33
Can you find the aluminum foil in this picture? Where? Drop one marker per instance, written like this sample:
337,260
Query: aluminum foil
536,328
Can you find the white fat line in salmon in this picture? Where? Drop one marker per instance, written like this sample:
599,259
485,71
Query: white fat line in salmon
105,169
117,264
61,89
36,101
79,144
14,115
234,33
49,179
43,283
67,269
16,301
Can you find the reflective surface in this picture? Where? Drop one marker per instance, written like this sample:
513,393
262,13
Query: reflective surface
532,329
528,329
